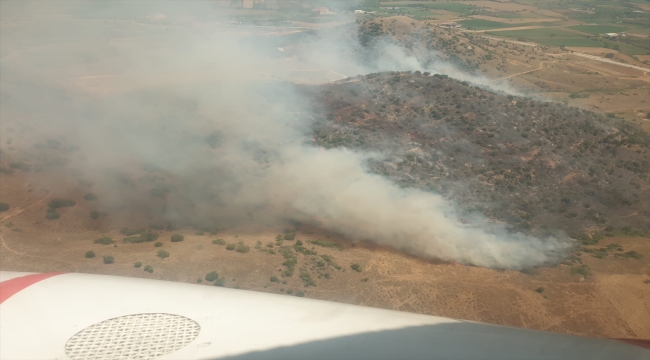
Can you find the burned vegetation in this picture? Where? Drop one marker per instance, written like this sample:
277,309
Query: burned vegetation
535,165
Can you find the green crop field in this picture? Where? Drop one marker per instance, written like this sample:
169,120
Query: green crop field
453,7
550,37
478,24
599,29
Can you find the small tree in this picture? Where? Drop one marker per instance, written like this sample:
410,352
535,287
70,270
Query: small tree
177,238
109,259
137,265
211,276
163,254
90,254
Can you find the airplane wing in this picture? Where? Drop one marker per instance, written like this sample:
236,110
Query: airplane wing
82,316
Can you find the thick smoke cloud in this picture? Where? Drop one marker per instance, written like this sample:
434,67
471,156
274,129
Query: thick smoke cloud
201,102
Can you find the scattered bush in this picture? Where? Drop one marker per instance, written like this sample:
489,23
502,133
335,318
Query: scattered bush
199,280
90,197
157,225
59,203
211,276
90,254
137,265
220,282
289,291
148,269
219,242
163,254
52,215
4,207
231,247
146,236
307,280
327,244
356,267
630,254
581,270
108,259
364,280
94,215
300,294
158,244
540,290
290,236
105,240
242,248
274,279
131,232
177,238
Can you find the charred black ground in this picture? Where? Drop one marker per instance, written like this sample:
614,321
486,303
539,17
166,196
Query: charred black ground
535,165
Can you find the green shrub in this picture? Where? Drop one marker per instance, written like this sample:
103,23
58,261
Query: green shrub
105,240
300,294
231,247
90,197
94,215
211,276
307,280
52,215
177,238
90,254
356,267
242,248
220,282
298,243
290,236
364,280
199,280
4,207
630,254
540,290
137,265
158,192
158,244
146,236
157,225
289,291
148,269
108,259
131,232
219,242
328,244
581,270
163,254
274,279
59,203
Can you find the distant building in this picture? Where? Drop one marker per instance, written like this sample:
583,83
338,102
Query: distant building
323,11
359,12
610,35
450,25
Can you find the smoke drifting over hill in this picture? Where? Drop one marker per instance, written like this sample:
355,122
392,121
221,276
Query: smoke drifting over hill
220,142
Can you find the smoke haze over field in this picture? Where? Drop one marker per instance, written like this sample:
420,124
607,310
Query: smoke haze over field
201,103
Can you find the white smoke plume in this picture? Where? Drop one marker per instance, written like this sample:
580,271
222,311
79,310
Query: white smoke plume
174,86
